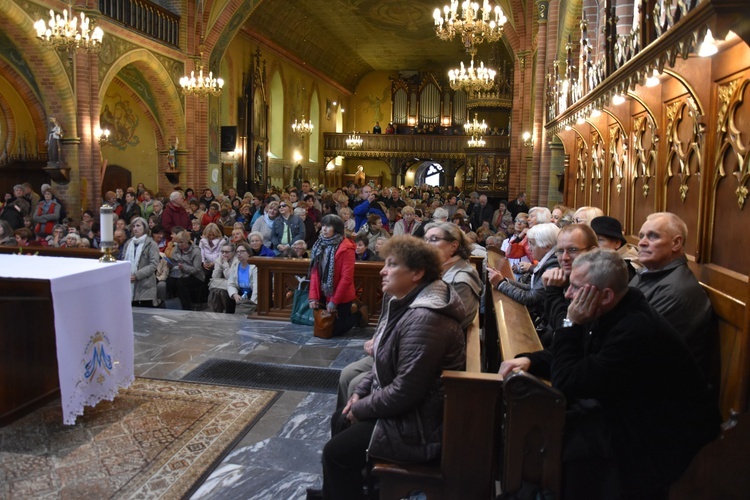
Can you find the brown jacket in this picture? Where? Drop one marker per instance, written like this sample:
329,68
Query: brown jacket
421,337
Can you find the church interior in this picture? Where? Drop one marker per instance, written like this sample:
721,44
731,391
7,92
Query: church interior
632,106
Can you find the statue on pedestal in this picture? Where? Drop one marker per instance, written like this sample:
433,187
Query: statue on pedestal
53,141
172,155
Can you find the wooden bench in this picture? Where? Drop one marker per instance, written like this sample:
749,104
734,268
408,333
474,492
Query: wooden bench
279,277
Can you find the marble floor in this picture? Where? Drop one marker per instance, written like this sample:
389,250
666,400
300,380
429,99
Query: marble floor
280,457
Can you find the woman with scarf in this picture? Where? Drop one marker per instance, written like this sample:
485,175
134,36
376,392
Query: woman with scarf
264,224
332,276
408,224
143,254
47,214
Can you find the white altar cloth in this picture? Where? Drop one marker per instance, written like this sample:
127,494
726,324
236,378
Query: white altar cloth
93,325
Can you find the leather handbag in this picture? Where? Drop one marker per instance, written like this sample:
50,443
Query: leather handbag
324,324
301,312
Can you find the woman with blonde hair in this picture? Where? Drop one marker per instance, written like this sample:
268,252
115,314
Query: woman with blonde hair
264,224
585,215
346,215
210,248
408,224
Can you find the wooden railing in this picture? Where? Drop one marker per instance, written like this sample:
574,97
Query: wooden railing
145,17
417,146
278,278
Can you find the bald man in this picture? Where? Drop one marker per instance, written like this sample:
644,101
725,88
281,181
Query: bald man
669,285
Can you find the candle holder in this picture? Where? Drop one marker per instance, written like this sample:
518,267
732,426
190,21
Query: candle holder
108,252
107,244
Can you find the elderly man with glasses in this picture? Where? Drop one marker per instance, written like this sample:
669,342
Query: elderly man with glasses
572,241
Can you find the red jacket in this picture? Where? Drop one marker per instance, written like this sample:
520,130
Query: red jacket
343,276
48,226
174,216
207,219
520,249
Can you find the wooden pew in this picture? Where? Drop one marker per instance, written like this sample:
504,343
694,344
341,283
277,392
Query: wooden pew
277,280
512,332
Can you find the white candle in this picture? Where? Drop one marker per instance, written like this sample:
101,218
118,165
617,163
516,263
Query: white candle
105,221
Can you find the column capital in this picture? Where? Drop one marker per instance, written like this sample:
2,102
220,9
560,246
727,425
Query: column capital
543,11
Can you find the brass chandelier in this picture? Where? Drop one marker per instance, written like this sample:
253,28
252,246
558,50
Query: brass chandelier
474,25
201,86
68,32
302,128
354,141
472,79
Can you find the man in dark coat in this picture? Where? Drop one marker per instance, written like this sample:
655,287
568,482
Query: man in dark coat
668,283
482,213
13,212
639,407
518,205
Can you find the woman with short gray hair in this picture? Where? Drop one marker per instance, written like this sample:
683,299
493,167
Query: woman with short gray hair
143,254
543,242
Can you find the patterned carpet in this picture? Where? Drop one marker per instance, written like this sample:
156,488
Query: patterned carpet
157,439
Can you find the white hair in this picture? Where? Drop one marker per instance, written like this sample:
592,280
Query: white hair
174,196
542,214
440,214
544,235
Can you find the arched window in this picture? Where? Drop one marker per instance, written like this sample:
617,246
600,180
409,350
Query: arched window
433,174
276,107
314,151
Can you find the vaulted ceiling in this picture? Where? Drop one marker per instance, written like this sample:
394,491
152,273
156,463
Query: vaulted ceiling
346,39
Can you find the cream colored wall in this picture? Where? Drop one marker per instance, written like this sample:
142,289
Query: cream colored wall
21,119
372,101
142,159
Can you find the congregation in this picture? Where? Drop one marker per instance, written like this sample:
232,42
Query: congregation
574,270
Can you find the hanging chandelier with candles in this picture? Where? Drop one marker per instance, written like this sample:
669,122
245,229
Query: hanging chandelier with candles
476,142
474,128
354,141
471,79
201,86
65,32
303,127
474,25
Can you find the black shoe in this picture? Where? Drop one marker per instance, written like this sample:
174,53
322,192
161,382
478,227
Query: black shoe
313,494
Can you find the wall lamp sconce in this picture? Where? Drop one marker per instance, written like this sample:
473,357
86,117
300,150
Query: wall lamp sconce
102,135
528,139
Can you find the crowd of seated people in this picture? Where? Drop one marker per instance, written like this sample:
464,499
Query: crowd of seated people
197,249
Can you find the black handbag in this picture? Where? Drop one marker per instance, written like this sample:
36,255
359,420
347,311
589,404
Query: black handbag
301,312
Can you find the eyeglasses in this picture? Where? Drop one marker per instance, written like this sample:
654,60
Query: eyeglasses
572,251
578,220
283,205
435,239
521,221
241,251
226,251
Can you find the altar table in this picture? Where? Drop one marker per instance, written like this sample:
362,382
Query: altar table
69,313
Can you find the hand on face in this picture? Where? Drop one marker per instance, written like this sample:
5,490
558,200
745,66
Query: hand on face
554,277
585,305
